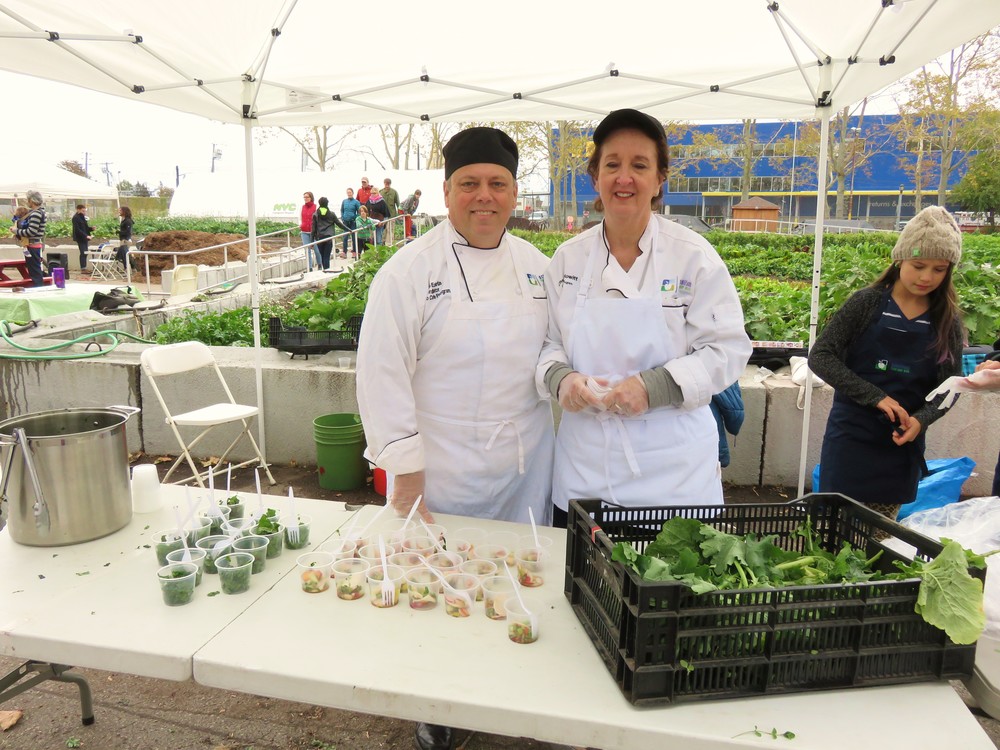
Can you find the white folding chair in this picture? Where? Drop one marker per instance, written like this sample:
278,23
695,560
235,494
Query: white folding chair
174,359
184,280
104,264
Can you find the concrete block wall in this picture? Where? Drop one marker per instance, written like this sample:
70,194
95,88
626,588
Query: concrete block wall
296,391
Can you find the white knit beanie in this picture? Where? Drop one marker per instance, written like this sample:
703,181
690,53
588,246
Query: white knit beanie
932,234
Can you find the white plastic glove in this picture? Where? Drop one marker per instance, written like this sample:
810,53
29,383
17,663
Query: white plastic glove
955,385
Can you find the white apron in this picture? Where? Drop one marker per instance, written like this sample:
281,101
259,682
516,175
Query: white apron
488,439
667,456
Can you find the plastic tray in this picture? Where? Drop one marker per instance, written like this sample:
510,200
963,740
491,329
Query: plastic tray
302,341
752,641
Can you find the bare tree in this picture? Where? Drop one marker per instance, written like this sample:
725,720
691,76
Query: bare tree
71,165
320,144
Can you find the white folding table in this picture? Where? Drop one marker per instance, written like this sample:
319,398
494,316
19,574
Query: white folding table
98,606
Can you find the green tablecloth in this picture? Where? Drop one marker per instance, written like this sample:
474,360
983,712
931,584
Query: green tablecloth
43,302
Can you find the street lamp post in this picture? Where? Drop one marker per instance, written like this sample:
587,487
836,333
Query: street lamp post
216,154
899,209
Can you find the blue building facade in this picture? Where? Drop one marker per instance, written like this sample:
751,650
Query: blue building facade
706,174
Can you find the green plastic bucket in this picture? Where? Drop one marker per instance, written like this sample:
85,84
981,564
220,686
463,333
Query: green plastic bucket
340,445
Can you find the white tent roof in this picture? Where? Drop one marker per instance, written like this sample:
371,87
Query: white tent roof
53,183
289,62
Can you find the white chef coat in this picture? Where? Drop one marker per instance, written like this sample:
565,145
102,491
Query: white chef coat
450,339
705,349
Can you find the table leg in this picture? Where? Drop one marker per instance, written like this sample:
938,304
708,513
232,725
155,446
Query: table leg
32,673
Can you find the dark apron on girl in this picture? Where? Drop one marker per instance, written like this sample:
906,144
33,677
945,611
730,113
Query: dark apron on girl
858,458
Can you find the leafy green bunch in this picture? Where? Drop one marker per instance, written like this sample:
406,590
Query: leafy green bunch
706,559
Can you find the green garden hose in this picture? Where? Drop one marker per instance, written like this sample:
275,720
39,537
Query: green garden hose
37,353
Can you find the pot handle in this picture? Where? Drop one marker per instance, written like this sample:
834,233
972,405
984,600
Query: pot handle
125,410
12,445
40,508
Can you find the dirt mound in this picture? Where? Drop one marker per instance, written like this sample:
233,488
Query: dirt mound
178,241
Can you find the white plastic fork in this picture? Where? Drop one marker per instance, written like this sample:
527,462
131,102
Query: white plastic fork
293,528
388,590
434,541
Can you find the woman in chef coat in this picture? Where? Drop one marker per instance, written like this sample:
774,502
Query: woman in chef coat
644,327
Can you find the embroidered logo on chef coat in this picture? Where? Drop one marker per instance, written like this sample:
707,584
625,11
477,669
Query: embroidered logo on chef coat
668,285
536,279
435,290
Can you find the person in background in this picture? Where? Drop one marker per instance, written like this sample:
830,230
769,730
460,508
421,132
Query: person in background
409,207
82,234
16,222
889,345
645,326
30,233
377,211
365,191
391,198
323,223
448,346
349,215
365,229
124,235
305,227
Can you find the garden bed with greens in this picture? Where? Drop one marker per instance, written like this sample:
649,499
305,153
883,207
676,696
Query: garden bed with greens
772,274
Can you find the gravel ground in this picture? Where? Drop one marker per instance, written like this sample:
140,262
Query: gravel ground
138,713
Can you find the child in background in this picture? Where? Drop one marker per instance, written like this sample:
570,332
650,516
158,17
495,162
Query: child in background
17,222
883,351
365,228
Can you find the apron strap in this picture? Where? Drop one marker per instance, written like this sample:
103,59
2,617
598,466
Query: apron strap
496,432
604,418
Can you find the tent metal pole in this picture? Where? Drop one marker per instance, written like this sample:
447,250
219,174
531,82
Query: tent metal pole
814,301
258,355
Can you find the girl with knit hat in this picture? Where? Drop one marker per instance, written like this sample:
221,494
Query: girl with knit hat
889,345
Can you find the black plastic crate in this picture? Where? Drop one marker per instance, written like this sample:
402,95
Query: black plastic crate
301,341
746,642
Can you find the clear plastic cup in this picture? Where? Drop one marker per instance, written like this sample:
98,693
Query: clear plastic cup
393,531
214,549
256,546
506,539
496,591
435,530
241,526
474,536
522,627
235,570
422,545
275,542
349,576
461,547
344,363
305,523
196,556
177,582
445,562
423,586
531,564
481,569
198,528
406,561
528,540
167,541
314,571
237,509
489,551
340,547
373,555
216,514
460,594
395,579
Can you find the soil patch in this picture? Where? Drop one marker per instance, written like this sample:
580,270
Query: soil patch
184,241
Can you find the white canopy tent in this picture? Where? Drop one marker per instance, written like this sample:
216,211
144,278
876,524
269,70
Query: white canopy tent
60,189
277,62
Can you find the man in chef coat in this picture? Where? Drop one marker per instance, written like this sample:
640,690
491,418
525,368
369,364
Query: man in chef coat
451,336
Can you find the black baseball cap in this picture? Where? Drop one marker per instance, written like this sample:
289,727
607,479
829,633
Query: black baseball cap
631,119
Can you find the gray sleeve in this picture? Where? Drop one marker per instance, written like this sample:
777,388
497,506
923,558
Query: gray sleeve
554,376
661,388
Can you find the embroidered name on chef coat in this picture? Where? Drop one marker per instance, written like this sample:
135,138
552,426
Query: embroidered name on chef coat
568,280
435,289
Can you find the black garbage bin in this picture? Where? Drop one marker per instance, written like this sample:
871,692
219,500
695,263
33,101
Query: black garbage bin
57,260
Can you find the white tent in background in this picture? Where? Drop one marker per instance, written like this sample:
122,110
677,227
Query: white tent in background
60,189
269,63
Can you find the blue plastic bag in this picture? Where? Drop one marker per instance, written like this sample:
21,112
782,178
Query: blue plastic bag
943,485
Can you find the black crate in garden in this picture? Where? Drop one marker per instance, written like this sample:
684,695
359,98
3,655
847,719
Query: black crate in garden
663,643
298,340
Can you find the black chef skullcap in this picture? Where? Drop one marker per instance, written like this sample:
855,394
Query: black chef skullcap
480,146
629,119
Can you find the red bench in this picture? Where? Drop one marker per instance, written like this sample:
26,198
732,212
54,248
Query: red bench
21,266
